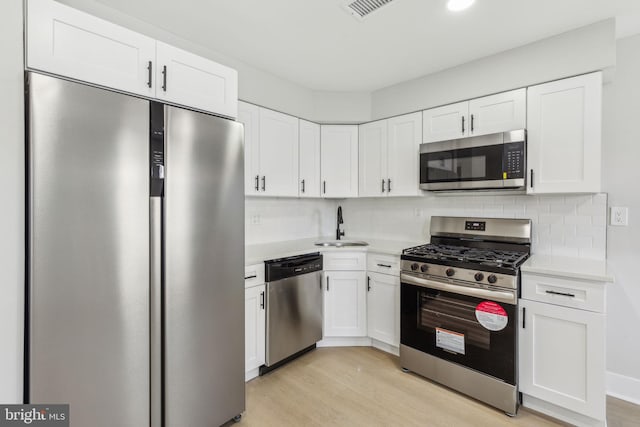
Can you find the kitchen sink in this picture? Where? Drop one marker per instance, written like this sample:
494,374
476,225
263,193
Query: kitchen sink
341,243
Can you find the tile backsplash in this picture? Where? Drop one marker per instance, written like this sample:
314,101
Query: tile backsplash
565,225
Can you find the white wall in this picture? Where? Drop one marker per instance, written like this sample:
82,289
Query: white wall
621,180
12,197
272,219
576,52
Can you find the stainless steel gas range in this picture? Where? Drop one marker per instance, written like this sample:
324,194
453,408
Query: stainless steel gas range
459,297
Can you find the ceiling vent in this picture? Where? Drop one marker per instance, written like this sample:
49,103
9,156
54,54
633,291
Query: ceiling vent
361,9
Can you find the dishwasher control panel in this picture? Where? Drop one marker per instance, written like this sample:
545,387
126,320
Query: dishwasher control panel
282,268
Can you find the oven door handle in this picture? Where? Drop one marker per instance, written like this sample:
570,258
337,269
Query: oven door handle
493,295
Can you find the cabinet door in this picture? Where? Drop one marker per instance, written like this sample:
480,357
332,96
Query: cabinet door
249,116
562,357
383,308
64,41
403,148
372,153
345,303
564,135
447,122
191,80
278,153
254,337
498,113
339,160
309,159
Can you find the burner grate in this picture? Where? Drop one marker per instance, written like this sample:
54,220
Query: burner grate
489,257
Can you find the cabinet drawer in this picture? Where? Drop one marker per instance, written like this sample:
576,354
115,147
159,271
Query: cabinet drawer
344,261
253,275
384,264
584,295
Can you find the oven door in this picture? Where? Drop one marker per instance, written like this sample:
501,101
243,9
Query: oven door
483,162
472,331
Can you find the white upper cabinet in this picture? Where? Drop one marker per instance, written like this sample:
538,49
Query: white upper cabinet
403,147
339,160
372,165
309,185
249,116
447,122
64,41
70,43
194,81
501,112
498,113
565,135
388,154
278,153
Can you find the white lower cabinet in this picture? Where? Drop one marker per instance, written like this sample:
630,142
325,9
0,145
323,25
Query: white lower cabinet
345,304
383,308
254,337
562,356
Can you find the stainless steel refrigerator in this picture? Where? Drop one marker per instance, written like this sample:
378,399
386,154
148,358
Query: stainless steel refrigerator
135,289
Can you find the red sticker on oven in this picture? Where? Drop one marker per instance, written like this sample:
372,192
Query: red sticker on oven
492,316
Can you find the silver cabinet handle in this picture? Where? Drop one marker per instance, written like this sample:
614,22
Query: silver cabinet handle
250,277
389,185
384,265
472,123
164,78
462,124
150,71
383,185
327,283
564,294
368,284
264,183
303,185
257,182
262,300
324,187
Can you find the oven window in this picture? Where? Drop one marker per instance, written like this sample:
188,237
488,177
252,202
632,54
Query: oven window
469,164
446,325
452,316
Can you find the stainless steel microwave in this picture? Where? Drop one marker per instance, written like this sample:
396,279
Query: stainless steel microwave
496,161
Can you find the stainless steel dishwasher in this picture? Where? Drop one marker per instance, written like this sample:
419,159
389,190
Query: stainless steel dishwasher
294,307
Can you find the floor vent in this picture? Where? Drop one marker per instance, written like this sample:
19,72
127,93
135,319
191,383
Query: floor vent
361,9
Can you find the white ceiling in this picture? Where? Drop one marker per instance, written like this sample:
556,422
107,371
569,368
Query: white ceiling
316,44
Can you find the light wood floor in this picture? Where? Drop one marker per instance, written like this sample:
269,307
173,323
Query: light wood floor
362,386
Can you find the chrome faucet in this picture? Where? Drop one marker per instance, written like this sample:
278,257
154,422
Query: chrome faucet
339,232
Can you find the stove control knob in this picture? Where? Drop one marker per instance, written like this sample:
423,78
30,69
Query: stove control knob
414,266
424,268
492,278
450,272
479,277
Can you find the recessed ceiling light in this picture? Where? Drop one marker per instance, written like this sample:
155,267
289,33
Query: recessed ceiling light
458,5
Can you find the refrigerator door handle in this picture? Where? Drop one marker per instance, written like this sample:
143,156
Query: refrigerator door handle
155,308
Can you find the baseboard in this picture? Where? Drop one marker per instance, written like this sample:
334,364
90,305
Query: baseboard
388,348
622,387
345,342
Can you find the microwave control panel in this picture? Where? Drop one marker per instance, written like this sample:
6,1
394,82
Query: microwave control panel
513,160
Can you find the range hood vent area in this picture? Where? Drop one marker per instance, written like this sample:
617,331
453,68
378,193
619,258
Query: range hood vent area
361,9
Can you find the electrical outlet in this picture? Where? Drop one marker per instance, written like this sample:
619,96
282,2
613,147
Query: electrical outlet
255,219
619,216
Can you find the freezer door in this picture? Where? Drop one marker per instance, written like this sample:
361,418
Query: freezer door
204,269
88,265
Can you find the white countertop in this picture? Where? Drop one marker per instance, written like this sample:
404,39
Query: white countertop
255,254
571,268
